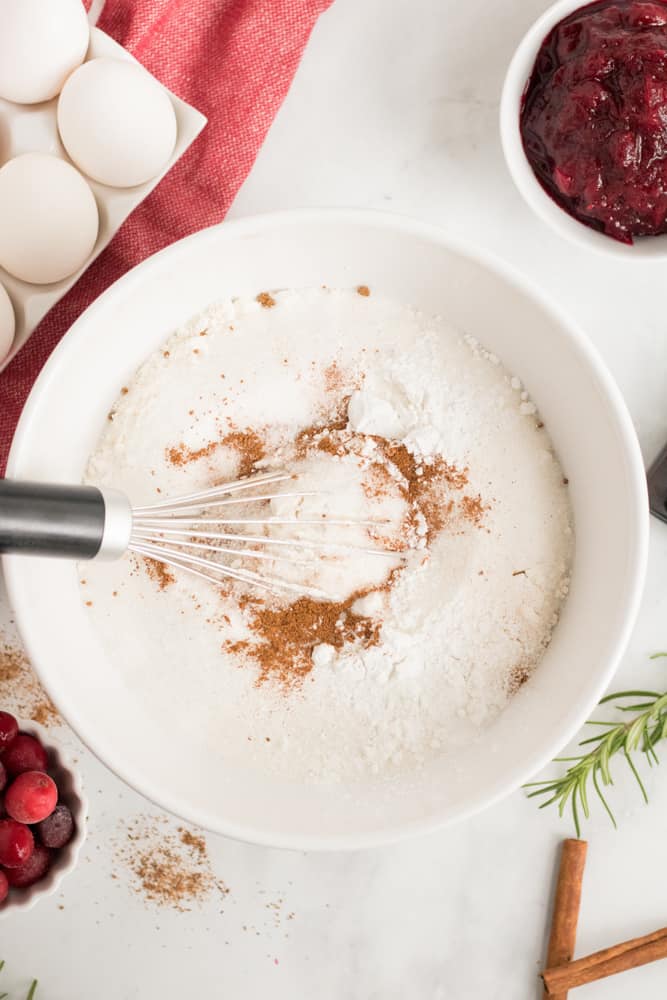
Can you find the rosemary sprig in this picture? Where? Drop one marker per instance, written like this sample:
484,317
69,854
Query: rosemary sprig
640,734
31,991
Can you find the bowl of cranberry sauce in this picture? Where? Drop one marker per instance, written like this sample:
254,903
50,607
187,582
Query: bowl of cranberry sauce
42,814
584,123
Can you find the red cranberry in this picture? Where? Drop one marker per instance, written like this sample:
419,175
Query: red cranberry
31,797
57,829
25,753
35,867
3,776
4,886
9,727
16,843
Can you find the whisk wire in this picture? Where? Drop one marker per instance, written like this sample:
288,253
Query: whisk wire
181,533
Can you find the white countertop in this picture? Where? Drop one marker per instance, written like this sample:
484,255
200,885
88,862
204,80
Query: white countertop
395,107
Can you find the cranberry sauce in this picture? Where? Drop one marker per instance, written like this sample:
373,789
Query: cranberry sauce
594,117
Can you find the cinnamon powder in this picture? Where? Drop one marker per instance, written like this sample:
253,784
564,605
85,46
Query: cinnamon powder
517,677
426,486
474,509
334,378
170,867
20,691
248,445
158,572
266,300
286,636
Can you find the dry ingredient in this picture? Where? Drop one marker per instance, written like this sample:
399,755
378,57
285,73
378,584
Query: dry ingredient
400,418
20,690
159,572
170,865
247,445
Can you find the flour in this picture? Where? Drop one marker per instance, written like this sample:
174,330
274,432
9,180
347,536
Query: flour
407,423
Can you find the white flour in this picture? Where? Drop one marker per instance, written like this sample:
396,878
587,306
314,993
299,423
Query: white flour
437,650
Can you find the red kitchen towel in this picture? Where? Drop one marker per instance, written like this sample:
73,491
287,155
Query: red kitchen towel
234,60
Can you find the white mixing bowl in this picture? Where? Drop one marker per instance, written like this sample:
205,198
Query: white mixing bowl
416,264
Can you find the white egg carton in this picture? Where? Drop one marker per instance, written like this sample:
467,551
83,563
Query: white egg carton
33,128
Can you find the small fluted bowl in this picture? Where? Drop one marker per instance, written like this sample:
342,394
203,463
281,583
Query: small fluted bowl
70,792
529,187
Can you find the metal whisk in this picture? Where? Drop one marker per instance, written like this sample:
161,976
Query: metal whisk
194,533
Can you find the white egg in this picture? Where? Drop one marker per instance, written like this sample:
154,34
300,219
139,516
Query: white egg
116,122
41,42
49,219
7,324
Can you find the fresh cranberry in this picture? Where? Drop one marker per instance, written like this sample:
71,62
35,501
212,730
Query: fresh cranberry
35,867
594,117
57,829
4,886
9,727
25,753
3,776
31,797
16,843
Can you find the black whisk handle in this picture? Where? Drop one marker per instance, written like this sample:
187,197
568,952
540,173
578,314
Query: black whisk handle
73,522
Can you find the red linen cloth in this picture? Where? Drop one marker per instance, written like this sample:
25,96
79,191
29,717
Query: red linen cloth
234,60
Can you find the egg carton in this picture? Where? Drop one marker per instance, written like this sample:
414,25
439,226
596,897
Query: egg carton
33,128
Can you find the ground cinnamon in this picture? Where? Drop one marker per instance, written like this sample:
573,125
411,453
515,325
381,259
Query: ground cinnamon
170,866
563,936
284,637
248,445
474,509
427,486
20,691
159,572
619,958
334,377
517,678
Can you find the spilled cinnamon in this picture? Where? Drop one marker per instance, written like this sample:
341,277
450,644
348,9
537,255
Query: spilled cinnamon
20,690
170,866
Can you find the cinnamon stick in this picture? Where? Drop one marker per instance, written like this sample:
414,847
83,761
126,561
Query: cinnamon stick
565,915
609,961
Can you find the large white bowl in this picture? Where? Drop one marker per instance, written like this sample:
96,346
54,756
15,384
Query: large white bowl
416,264
518,74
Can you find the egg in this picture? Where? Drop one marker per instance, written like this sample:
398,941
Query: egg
41,42
49,218
7,324
116,122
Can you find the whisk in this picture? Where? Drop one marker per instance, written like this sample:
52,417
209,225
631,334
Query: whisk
197,532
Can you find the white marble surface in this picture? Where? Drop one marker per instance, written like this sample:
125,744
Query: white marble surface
395,106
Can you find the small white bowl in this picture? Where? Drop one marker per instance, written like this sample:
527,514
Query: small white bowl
518,74
70,792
